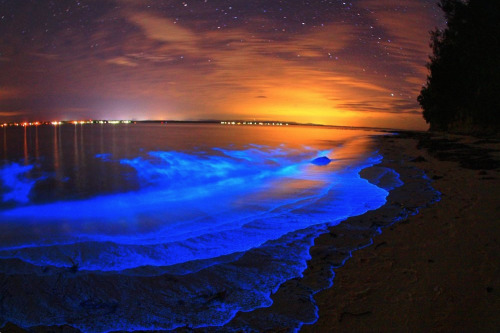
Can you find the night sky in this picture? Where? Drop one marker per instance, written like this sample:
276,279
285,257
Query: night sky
355,63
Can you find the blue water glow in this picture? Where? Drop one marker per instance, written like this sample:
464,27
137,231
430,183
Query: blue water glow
17,185
190,207
233,220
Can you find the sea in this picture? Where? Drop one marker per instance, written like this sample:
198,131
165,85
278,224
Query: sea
148,226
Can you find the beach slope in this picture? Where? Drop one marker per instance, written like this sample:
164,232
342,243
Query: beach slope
437,271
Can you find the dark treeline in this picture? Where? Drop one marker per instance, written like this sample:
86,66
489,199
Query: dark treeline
462,93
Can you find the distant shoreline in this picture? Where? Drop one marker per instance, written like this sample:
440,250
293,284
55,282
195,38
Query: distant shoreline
202,122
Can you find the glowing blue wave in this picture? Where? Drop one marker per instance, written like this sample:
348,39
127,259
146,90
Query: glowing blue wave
237,222
191,207
16,187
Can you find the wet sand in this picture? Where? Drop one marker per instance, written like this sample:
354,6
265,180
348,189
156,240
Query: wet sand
435,270
438,271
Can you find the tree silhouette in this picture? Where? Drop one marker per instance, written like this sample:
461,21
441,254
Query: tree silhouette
462,93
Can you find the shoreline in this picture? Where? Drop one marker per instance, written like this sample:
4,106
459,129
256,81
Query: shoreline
437,271
294,302
432,271
410,277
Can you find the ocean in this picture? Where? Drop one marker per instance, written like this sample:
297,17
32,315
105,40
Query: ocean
158,226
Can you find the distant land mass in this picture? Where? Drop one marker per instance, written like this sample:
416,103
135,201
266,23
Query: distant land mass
203,121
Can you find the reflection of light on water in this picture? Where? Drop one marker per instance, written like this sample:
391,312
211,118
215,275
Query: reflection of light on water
37,146
25,146
56,149
5,143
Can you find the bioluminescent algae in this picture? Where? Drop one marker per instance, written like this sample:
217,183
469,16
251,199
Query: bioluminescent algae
207,233
15,183
190,207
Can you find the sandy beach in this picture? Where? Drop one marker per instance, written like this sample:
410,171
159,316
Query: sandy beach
437,271
426,261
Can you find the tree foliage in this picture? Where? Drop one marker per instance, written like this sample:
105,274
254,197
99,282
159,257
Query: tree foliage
462,93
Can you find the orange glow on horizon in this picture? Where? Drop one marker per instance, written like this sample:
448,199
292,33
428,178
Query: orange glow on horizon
359,64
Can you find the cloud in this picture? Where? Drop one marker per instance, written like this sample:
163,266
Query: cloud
165,30
9,92
122,61
11,113
405,26
397,106
358,83
167,59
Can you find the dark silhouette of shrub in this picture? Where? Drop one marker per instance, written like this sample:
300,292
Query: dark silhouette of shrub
462,93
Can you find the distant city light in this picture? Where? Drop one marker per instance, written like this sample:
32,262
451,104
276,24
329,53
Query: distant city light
115,122
253,123
59,122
